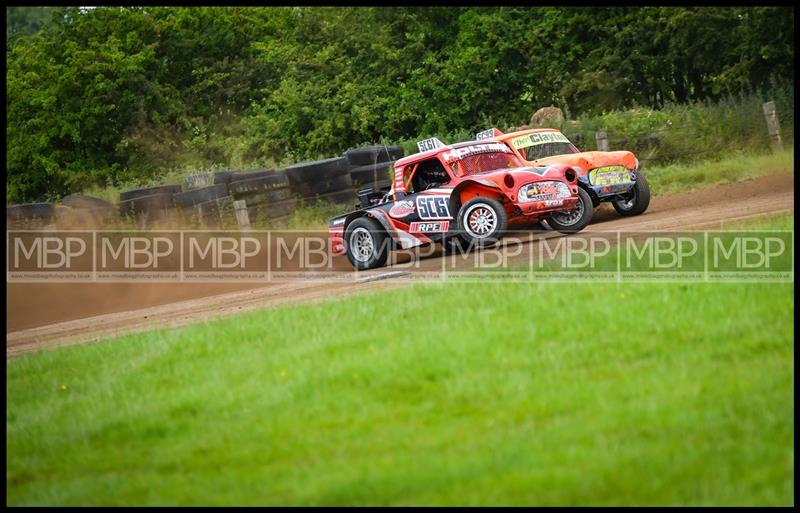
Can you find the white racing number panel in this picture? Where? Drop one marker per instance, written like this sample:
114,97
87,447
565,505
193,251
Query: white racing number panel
433,207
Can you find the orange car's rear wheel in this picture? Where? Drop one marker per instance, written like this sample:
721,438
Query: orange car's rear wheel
637,201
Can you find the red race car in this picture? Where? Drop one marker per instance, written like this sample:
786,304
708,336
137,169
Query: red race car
462,195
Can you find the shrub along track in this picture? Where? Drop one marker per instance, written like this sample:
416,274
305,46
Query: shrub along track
46,315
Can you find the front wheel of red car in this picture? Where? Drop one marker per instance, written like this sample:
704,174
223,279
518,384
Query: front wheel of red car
366,244
482,221
576,219
637,201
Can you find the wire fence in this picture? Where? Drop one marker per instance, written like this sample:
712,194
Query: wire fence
690,132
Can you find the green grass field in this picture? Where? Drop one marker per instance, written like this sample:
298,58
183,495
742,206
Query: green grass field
502,393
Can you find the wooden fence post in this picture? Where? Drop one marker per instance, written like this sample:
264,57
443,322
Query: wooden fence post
602,140
773,127
240,207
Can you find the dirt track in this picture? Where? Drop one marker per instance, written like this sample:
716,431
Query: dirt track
45,315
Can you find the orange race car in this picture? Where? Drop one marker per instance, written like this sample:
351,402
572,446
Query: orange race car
612,176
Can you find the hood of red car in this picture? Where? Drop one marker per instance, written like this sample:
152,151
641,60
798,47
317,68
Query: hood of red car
526,174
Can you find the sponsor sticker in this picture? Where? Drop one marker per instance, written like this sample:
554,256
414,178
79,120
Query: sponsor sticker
536,139
542,189
429,227
460,153
609,175
402,209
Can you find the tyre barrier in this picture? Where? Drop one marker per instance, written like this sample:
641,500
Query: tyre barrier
271,213
79,211
31,211
371,173
311,171
30,215
87,202
268,194
326,180
148,191
202,195
222,177
196,181
212,213
273,180
373,154
240,176
311,189
150,207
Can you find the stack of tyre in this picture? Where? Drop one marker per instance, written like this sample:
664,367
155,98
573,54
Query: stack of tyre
79,211
322,180
206,199
148,204
371,166
266,194
30,215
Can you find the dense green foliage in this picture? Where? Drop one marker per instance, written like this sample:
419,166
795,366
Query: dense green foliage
113,94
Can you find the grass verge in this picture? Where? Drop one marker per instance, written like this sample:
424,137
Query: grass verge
682,177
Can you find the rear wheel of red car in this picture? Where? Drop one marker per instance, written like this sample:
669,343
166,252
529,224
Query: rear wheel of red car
482,221
576,219
637,201
366,244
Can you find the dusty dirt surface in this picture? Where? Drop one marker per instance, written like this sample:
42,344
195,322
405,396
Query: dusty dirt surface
45,315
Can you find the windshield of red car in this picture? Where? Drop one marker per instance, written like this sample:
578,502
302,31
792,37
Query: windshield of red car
483,162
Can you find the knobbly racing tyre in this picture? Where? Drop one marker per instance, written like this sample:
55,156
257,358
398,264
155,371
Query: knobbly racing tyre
319,169
373,154
148,191
482,221
260,183
366,244
638,201
575,220
195,196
